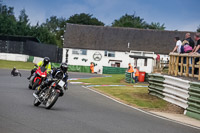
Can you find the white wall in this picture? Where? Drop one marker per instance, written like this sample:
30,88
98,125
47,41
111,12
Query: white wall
124,57
13,57
18,57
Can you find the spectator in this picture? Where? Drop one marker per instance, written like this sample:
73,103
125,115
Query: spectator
178,45
189,39
197,50
136,71
158,61
197,39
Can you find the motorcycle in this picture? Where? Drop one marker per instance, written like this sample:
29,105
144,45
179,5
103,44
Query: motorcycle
49,95
39,76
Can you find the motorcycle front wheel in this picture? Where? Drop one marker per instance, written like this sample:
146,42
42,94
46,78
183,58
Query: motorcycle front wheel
35,84
52,99
36,102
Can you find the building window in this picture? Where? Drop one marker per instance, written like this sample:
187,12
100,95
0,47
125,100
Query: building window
79,51
109,54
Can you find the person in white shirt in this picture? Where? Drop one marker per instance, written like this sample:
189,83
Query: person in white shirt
178,45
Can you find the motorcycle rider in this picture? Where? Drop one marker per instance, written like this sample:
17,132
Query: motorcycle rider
63,68
46,63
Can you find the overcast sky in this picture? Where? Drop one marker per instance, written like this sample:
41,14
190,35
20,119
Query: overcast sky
182,15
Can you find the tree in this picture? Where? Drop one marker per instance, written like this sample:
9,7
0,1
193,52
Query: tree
134,21
130,21
56,26
157,26
43,34
7,20
23,24
85,19
198,29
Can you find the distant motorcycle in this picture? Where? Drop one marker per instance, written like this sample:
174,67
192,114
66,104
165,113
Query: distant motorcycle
39,76
49,95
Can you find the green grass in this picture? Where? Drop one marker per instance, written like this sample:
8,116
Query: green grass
136,96
116,79
17,64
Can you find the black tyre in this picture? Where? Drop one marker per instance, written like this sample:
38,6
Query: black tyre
29,86
36,102
52,99
35,84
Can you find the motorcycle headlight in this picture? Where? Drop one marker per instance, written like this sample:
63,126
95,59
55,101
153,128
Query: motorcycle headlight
43,76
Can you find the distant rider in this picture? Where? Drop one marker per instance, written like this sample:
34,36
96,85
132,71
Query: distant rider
46,63
63,68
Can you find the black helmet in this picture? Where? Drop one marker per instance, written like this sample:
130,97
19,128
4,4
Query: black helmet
46,60
64,67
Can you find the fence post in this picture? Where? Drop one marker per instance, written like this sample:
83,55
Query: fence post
177,61
199,69
187,67
181,65
169,71
193,59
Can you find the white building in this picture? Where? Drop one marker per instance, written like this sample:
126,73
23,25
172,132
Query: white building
116,47
83,57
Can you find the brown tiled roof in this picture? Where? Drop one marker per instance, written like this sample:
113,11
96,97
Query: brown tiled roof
117,39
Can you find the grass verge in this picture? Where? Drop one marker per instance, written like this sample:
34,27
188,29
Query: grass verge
17,64
135,96
129,94
116,79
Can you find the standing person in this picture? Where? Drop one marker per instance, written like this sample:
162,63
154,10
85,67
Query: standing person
189,39
197,50
92,67
197,39
158,61
130,70
178,45
136,71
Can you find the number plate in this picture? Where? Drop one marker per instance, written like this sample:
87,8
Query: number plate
61,83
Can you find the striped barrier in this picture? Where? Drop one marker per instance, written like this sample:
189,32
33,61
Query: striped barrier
177,91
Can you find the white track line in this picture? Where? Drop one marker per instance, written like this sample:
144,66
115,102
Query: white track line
161,117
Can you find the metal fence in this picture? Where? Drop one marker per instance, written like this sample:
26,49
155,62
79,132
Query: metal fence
32,48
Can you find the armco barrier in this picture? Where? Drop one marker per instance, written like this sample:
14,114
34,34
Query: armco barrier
180,92
193,109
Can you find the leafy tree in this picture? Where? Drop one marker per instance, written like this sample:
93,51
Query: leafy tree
7,20
85,19
23,25
56,26
130,21
134,21
198,29
157,26
43,34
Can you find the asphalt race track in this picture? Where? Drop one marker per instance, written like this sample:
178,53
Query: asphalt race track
78,111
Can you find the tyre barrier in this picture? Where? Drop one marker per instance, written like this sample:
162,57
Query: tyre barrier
182,93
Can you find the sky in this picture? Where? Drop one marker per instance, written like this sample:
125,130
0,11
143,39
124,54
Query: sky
182,15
